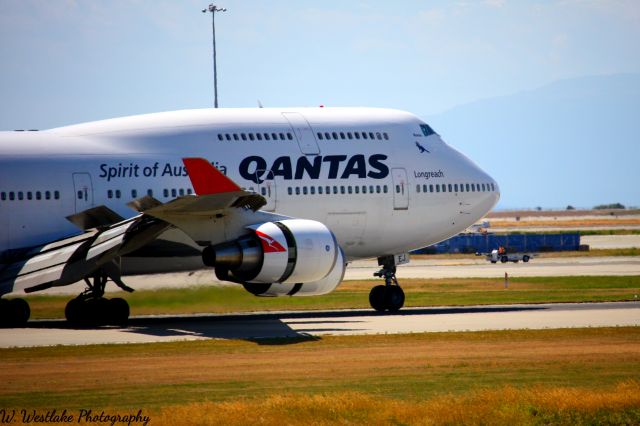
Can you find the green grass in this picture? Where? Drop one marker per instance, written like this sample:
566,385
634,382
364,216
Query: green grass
354,294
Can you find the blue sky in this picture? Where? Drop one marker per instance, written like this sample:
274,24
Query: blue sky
67,61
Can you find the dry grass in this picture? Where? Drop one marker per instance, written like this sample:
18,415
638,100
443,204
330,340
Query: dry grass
507,405
413,368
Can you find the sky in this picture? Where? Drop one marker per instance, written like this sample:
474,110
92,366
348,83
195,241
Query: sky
66,62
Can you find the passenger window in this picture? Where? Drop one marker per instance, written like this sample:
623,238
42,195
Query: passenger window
251,137
371,136
12,196
297,190
289,136
165,192
319,135
289,191
349,190
450,188
47,195
342,191
181,192
357,135
3,196
189,191
227,136
312,189
335,135
424,188
349,135
378,136
173,192
274,136
266,137
259,136
235,137
370,189
29,195
430,188
341,135
150,192
493,188
327,136
466,185
418,188
398,189
319,190
364,189
304,190
109,194
243,136
281,136
79,195
38,195
56,195
385,189
386,136
220,136
118,193
335,189
377,189
357,189
437,187
455,187
134,193
20,195
328,190
263,191
364,135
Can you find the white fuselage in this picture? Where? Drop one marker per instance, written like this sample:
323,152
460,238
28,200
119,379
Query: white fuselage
378,178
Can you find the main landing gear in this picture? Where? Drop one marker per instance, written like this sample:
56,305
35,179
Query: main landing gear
91,308
14,312
387,297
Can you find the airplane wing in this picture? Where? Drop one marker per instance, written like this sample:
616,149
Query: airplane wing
107,236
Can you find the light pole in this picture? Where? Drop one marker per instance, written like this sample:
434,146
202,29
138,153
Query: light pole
213,9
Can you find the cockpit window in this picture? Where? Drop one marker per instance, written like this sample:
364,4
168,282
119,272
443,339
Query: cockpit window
427,130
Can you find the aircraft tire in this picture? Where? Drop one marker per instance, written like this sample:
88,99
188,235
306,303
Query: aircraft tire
377,298
74,311
504,259
119,311
394,298
20,312
525,258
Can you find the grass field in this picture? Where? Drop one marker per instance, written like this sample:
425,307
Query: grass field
518,377
354,294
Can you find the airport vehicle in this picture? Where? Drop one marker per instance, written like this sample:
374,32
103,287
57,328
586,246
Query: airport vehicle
495,256
276,200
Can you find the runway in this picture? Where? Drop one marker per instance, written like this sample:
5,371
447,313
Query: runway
258,326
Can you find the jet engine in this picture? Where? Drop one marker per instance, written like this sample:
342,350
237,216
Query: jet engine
287,257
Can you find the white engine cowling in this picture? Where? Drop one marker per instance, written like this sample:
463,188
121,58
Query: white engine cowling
293,256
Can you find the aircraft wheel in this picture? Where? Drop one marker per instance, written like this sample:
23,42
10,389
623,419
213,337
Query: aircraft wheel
504,259
525,258
74,312
20,312
494,261
394,298
14,312
119,309
377,298
98,311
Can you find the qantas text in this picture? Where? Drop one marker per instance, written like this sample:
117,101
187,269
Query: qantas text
257,169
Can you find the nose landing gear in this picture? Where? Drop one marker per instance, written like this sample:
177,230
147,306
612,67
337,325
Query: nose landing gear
390,296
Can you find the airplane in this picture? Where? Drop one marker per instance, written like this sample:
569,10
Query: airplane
278,200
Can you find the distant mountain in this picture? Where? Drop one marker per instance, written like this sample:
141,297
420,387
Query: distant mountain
574,141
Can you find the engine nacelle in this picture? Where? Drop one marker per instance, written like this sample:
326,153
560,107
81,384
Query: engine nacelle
293,256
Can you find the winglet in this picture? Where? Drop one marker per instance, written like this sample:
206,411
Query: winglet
206,179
